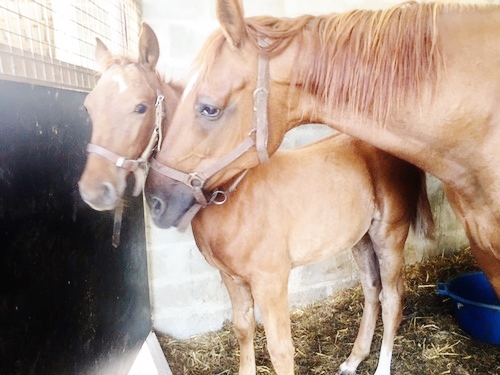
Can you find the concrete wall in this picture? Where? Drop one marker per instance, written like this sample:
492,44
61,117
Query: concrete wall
187,294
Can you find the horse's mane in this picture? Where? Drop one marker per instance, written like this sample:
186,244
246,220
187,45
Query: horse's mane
360,61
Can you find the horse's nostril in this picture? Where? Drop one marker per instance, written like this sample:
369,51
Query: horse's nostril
157,206
108,192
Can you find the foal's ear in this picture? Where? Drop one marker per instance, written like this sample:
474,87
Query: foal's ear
149,49
102,55
231,19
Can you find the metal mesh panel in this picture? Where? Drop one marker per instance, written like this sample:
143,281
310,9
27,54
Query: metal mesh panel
52,42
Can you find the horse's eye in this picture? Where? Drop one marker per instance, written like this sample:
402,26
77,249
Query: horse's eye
141,108
210,111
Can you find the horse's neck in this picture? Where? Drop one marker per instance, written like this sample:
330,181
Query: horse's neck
299,107
401,138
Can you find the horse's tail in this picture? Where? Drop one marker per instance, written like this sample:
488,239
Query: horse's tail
423,222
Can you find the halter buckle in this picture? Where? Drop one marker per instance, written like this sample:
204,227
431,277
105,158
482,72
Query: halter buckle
195,180
121,160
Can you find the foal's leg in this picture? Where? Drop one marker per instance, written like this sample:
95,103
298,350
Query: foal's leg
370,282
243,321
271,296
388,241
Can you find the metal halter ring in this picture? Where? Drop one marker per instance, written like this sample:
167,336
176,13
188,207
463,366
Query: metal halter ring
218,197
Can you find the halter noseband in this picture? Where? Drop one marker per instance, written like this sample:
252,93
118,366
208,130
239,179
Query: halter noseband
197,180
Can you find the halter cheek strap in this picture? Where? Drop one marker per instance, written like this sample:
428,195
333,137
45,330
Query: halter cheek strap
260,99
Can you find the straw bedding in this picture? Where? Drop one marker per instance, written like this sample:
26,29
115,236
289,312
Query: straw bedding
429,341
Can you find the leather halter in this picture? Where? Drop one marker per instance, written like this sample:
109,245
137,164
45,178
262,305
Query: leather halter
197,180
139,166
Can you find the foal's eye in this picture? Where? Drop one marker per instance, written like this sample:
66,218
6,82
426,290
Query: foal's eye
210,111
141,108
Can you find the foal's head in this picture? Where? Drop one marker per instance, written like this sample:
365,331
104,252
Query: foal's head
122,109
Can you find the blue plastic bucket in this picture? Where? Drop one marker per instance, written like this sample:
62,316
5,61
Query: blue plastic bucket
475,304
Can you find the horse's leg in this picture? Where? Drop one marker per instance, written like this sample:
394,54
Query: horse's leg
271,296
482,230
488,263
370,282
388,242
243,321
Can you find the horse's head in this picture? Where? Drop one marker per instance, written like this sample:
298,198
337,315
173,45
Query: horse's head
125,115
220,126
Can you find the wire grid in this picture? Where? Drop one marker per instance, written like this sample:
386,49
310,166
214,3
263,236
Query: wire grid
52,42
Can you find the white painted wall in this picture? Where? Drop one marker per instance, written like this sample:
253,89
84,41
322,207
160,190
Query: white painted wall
187,294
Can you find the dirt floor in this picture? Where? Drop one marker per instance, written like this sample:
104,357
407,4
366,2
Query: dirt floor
429,340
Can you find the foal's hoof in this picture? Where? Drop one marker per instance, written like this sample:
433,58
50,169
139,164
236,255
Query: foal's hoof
344,370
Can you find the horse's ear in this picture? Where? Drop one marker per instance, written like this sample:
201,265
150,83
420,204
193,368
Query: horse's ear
102,55
149,49
231,19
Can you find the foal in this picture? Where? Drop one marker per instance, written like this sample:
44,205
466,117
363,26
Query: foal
298,209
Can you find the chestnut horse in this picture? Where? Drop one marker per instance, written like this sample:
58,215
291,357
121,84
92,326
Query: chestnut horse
303,206
128,113
419,80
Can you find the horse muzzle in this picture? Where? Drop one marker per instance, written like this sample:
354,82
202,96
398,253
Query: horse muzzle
101,197
168,199
102,184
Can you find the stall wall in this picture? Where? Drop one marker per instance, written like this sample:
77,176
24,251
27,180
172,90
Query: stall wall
70,303
187,294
